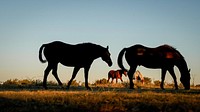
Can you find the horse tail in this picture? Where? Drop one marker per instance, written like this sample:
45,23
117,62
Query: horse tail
119,60
40,54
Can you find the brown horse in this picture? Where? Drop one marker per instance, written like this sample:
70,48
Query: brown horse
77,56
164,57
116,74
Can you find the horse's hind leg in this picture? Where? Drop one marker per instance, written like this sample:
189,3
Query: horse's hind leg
171,71
121,79
163,78
86,70
54,72
130,76
76,69
46,73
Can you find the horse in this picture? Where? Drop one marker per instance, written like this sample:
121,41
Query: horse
138,77
77,56
164,57
116,74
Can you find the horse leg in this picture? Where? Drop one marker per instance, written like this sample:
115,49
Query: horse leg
54,72
86,70
121,79
112,80
116,79
171,71
130,76
162,78
108,77
76,69
46,73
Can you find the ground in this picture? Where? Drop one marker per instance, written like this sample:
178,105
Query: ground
100,99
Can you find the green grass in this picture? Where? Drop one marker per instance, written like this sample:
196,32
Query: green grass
99,99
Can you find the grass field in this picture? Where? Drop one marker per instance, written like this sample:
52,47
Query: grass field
100,99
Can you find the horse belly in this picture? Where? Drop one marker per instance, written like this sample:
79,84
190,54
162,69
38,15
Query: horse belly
157,63
71,61
148,62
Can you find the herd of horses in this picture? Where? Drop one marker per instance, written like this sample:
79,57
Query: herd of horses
82,55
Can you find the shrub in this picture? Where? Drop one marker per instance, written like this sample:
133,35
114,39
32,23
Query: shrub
101,81
147,80
157,82
11,82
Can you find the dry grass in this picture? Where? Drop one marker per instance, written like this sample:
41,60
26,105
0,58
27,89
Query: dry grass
100,99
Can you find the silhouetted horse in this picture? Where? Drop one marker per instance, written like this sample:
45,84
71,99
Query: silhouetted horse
116,74
77,56
164,57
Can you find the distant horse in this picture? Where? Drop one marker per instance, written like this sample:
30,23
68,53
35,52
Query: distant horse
116,74
164,57
77,56
138,77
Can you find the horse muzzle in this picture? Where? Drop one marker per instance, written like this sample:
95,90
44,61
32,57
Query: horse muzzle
109,63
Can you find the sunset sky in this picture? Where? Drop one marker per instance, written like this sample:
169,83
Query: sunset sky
27,24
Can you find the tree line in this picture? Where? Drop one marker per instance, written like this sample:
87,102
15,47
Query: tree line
29,82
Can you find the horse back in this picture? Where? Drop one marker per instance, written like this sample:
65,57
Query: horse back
114,74
152,57
161,52
67,54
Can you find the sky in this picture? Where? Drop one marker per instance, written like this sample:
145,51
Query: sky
27,24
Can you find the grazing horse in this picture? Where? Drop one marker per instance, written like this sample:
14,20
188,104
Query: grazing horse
138,77
77,56
164,57
116,74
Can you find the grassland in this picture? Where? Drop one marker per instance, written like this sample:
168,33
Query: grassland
100,99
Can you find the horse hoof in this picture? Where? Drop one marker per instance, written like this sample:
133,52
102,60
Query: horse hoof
45,87
62,87
176,88
163,88
88,88
67,88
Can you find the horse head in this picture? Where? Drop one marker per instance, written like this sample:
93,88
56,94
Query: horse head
185,79
125,72
106,56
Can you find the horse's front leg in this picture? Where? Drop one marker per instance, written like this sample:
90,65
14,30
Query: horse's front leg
86,70
163,78
108,79
76,69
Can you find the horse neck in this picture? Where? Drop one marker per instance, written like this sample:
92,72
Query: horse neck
97,51
182,66
138,74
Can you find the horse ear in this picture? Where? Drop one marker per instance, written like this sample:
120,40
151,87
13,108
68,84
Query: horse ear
107,47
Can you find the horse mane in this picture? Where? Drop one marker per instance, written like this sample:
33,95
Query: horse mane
90,45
